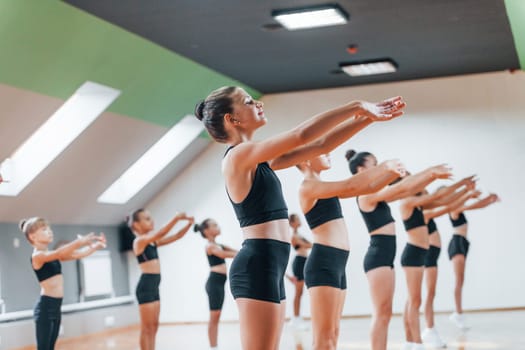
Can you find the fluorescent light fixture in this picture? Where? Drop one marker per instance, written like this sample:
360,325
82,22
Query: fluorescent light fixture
311,17
369,68
153,161
64,126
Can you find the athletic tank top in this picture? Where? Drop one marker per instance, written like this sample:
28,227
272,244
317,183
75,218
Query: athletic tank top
461,220
149,253
432,227
378,217
214,260
48,270
264,201
415,220
323,211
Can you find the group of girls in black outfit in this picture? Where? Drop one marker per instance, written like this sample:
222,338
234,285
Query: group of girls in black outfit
232,116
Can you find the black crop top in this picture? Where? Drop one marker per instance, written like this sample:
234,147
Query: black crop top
461,220
415,220
378,217
431,226
214,260
48,270
265,200
323,211
149,253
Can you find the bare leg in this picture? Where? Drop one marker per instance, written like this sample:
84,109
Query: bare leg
149,324
213,327
459,270
414,278
299,285
431,274
261,323
382,284
282,319
326,305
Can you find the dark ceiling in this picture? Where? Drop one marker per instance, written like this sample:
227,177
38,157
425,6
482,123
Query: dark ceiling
427,38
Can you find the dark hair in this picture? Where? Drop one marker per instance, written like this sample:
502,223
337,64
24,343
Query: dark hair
212,109
27,226
134,217
356,159
201,227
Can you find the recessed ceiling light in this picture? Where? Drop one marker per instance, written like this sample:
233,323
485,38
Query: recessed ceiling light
311,17
153,161
356,69
62,128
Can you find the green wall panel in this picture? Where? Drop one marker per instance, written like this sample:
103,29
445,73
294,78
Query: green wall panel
50,47
516,13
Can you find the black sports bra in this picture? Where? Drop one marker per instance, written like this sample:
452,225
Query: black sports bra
432,227
461,220
415,220
149,253
264,201
323,211
378,217
48,270
214,260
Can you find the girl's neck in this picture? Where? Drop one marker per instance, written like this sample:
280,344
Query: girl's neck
40,247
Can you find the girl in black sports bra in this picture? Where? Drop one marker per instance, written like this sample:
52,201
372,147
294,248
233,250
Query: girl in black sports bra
325,269
451,198
458,249
416,252
379,259
232,116
145,248
301,246
48,270
216,254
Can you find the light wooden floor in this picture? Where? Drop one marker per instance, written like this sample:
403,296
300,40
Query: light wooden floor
493,330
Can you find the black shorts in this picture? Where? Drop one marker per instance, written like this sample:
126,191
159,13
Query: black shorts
47,315
431,259
298,267
148,288
257,271
215,290
381,252
458,245
326,266
413,256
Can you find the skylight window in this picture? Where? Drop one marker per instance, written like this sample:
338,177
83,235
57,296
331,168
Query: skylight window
153,161
47,142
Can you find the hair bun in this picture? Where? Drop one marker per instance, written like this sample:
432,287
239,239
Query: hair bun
196,228
199,109
349,154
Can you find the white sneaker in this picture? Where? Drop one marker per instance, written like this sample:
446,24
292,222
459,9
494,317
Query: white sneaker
407,346
299,324
459,320
432,339
417,346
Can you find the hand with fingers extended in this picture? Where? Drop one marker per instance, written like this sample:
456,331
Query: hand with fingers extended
395,166
494,198
442,171
383,110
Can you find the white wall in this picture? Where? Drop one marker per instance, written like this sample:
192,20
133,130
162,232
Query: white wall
475,123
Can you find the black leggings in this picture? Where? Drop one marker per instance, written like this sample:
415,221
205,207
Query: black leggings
148,288
47,321
215,290
257,272
326,266
298,267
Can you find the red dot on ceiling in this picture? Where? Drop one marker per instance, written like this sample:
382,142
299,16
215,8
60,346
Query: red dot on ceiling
352,49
